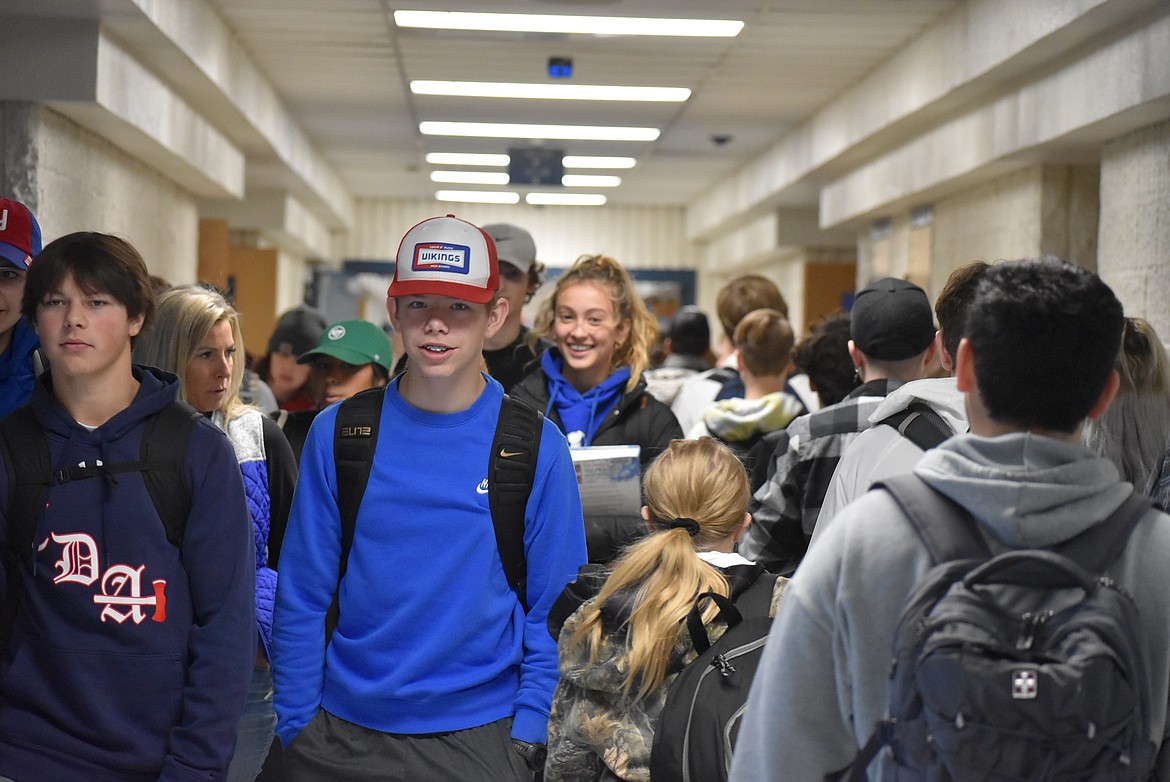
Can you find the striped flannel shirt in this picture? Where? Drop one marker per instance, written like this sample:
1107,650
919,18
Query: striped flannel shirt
785,509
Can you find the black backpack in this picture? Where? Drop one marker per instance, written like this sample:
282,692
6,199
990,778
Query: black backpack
1025,665
511,471
699,723
30,474
919,424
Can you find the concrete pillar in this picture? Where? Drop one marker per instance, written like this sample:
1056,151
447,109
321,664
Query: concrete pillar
1041,210
1134,232
18,153
73,180
1069,208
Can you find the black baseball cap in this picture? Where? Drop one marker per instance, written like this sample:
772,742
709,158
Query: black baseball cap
891,320
297,331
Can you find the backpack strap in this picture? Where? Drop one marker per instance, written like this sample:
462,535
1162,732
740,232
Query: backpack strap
1100,545
511,472
29,477
28,483
882,736
756,600
919,424
355,436
727,613
947,530
163,454
354,440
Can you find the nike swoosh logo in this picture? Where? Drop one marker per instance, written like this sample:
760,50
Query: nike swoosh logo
482,488
506,454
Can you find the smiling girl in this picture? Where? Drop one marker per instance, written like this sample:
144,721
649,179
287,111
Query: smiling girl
590,384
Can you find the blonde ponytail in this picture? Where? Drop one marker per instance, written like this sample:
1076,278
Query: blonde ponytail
692,479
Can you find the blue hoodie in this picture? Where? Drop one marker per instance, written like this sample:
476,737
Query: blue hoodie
581,414
16,368
103,681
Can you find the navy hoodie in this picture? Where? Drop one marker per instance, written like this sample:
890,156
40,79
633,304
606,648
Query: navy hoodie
130,658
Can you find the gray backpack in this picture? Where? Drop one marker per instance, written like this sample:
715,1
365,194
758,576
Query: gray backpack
1026,665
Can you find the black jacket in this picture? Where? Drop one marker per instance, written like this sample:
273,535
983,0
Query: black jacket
637,419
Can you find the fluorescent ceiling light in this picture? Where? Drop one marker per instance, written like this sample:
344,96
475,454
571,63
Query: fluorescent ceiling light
501,178
510,130
580,25
565,199
478,196
568,161
468,159
470,177
586,180
588,161
487,89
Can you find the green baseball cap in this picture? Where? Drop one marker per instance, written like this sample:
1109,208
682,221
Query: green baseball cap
355,342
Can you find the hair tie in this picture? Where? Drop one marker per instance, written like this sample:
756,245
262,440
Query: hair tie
690,525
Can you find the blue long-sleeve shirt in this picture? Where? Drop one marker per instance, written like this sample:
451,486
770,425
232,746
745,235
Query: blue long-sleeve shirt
431,637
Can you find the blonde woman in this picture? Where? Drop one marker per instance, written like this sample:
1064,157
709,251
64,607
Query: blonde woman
620,651
1135,431
590,382
196,335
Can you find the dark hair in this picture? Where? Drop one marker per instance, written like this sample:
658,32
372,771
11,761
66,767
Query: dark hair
1045,335
98,263
534,279
690,333
954,302
742,295
824,356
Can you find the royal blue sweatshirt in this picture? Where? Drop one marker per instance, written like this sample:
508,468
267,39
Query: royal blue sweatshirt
16,368
431,638
131,657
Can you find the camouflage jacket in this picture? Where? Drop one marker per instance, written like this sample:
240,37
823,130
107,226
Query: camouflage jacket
595,732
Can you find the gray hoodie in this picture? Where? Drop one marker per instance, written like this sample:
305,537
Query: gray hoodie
821,686
880,451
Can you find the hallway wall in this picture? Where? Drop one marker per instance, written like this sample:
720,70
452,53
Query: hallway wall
74,180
